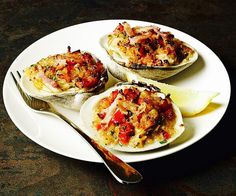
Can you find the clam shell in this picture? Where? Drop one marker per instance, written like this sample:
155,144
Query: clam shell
87,113
119,70
72,98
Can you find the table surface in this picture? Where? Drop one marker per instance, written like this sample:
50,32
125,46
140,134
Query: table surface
206,168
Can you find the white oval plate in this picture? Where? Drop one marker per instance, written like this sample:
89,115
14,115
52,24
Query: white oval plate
208,73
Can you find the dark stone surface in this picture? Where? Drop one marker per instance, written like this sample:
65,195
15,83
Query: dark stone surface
206,168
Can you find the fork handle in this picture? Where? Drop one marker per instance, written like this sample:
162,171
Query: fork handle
122,171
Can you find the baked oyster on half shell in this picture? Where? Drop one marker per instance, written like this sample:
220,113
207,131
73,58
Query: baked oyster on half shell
132,117
146,51
66,79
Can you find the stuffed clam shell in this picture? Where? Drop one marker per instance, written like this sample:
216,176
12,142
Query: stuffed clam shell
66,79
132,117
146,51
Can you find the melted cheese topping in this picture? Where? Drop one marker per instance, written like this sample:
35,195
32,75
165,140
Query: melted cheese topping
146,46
64,72
134,117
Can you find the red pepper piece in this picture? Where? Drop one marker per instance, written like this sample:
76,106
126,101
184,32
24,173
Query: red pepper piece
101,115
140,100
124,138
114,95
166,135
125,132
130,94
71,63
118,117
120,28
100,126
89,82
139,116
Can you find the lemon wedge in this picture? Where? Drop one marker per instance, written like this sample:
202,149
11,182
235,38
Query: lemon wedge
189,101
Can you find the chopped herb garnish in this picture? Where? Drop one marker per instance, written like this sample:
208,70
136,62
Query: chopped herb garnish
163,141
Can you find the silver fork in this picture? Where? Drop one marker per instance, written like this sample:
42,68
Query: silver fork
122,172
